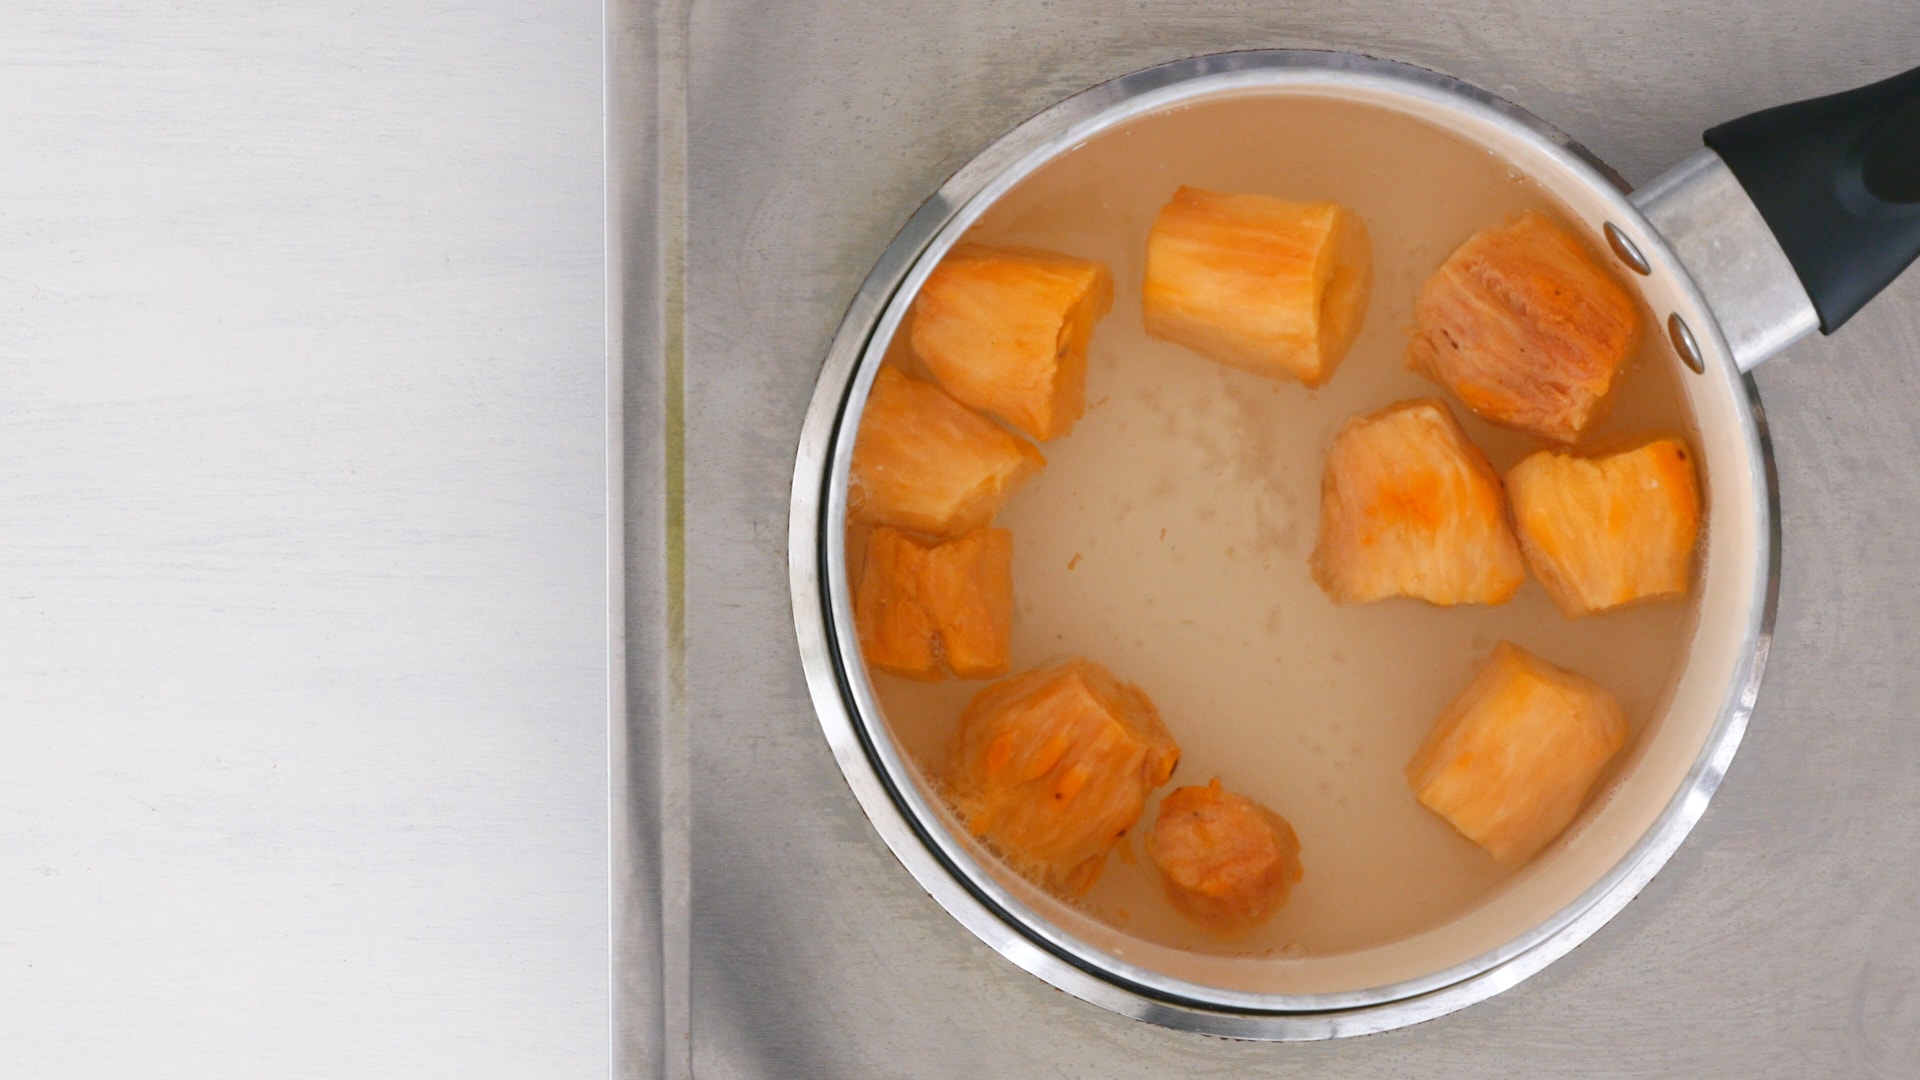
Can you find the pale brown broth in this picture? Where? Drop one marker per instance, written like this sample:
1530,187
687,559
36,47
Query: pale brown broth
1168,536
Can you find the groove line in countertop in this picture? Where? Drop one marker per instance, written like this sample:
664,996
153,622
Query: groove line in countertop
674,24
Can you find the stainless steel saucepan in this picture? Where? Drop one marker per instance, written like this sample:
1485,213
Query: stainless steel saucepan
1786,221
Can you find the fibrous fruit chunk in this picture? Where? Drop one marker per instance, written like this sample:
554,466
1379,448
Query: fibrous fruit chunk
1602,532
1054,766
1276,287
1409,507
923,461
1511,760
1228,862
917,603
1006,331
1525,327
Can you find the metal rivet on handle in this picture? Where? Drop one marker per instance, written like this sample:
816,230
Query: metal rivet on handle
1684,344
1624,248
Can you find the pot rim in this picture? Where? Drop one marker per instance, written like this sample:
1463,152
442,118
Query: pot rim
844,700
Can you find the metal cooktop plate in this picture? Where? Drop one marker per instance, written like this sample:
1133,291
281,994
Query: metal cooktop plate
762,157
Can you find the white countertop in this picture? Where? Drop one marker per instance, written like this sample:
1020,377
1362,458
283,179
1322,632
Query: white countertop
302,628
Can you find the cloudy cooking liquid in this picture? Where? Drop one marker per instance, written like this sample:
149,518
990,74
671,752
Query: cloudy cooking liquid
1169,534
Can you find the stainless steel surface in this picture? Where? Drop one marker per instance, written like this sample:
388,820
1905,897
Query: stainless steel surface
1780,939
303,644
647,769
850,713
1706,216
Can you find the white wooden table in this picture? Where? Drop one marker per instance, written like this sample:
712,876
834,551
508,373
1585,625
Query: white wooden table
302,632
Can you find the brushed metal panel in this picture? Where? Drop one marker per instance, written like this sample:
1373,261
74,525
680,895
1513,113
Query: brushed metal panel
1778,941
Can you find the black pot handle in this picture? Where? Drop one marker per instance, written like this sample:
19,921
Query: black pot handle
1838,181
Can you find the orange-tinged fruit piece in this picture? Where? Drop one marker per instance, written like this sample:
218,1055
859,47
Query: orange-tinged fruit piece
1606,531
1275,287
1227,862
917,603
1525,327
1409,507
897,632
1005,330
1512,760
1052,767
967,584
925,462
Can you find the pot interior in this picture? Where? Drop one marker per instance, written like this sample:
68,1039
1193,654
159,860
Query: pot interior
1185,503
